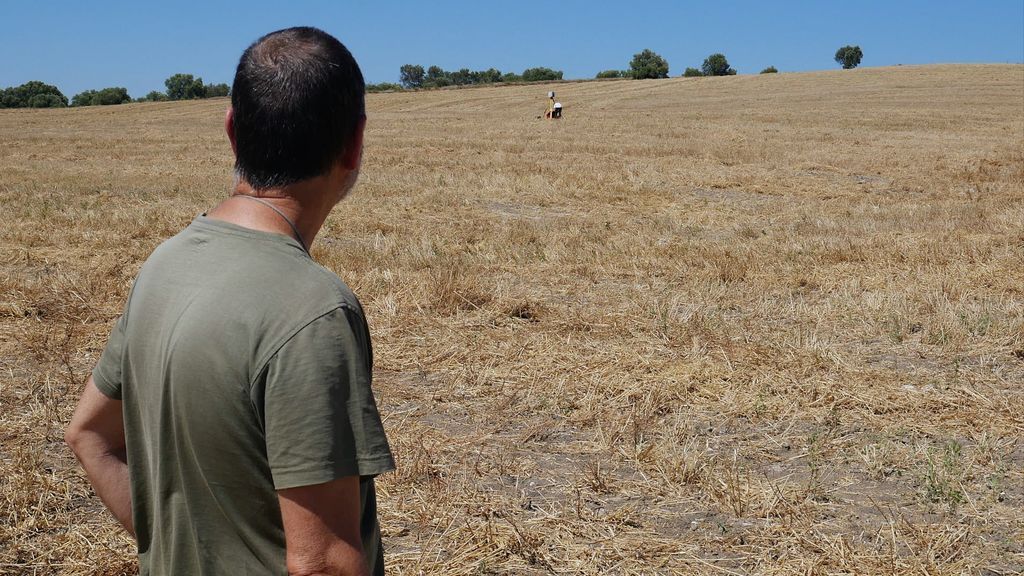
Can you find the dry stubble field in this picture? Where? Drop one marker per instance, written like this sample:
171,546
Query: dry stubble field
747,325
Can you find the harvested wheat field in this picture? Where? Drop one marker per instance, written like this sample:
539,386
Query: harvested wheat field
745,325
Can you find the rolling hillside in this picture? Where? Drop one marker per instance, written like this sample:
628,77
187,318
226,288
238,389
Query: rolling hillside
759,324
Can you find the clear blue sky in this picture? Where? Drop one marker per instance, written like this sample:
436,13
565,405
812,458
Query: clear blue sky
137,44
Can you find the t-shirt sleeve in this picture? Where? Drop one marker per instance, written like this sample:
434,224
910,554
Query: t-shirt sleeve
319,415
107,373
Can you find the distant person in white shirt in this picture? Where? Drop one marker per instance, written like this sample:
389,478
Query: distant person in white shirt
554,110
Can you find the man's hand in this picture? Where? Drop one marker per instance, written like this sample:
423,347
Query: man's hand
96,436
321,527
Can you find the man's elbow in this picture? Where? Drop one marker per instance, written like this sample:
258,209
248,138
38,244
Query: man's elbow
340,561
357,570
74,437
337,570
84,443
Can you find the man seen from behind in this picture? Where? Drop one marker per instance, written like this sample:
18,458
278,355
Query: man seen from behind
230,423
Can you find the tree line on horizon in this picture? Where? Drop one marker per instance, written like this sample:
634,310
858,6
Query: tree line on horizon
644,65
415,76
36,94
649,64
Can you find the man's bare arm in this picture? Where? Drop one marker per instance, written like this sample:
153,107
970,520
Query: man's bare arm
96,436
321,527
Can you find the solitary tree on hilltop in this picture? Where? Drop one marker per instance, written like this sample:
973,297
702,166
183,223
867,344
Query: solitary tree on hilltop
648,64
717,65
849,57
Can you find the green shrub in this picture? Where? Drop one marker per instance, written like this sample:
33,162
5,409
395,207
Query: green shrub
609,74
489,76
541,74
83,98
184,87
717,65
153,96
111,96
436,77
32,94
692,73
383,87
46,101
216,90
461,77
104,97
770,70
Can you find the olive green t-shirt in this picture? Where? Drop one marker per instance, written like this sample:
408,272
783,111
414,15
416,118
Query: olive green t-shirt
244,368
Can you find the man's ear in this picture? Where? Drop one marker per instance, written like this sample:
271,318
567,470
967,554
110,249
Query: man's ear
353,154
229,127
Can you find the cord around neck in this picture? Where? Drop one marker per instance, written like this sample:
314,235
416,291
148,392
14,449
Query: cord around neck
295,229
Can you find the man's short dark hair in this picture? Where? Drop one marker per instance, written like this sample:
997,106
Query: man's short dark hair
298,97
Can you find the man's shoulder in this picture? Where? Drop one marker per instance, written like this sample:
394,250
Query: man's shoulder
328,290
268,281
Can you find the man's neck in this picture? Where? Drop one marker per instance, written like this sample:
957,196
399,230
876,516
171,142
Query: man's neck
304,205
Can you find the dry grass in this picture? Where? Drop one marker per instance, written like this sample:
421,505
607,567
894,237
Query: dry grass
750,325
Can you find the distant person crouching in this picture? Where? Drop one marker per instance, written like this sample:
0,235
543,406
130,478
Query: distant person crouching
554,110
